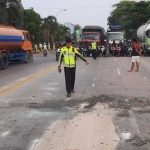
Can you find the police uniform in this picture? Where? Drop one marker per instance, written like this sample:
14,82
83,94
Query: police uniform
67,55
94,49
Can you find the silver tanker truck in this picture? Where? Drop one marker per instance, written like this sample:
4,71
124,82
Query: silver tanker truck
143,34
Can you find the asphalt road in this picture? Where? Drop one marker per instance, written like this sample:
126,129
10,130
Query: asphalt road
108,111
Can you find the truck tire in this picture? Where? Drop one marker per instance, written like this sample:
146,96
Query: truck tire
4,62
28,57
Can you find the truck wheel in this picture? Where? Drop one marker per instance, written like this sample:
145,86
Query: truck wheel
4,62
28,57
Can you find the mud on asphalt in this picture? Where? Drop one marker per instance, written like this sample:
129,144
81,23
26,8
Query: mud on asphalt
131,116
114,101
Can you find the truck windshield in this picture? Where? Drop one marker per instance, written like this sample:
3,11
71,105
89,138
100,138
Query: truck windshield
91,36
148,33
115,36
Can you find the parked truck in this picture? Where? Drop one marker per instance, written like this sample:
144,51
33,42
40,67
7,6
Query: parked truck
90,33
143,34
15,46
115,32
93,32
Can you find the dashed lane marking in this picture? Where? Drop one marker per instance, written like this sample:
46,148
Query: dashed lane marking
118,70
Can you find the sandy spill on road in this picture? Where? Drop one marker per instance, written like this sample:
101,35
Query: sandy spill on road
87,131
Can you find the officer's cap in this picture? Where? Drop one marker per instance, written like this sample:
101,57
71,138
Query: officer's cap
68,40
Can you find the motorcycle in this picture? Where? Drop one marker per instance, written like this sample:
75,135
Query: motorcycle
129,51
103,50
45,52
118,51
113,50
107,51
89,51
98,50
57,54
83,51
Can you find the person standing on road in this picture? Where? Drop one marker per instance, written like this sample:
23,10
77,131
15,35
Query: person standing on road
94,49
67,55
135,55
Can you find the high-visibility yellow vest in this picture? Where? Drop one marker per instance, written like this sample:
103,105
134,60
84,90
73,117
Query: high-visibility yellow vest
93,45
69,56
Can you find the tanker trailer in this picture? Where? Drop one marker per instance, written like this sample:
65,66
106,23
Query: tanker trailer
143,34
15,46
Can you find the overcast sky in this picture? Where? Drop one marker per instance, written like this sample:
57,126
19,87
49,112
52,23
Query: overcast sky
82,12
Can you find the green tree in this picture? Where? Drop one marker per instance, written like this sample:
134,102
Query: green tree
32,23
130,15
49,29
62,32
11,13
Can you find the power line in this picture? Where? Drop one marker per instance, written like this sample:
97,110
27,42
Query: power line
71,7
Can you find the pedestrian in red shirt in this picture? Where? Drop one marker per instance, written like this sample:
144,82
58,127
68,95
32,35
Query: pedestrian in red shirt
135,55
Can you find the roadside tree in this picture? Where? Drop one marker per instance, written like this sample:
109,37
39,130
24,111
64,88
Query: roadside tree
11,13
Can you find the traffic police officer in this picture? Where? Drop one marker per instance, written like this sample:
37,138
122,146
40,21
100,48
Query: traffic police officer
67,55
93,49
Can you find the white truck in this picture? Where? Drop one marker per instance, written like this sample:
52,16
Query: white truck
143,34
115,32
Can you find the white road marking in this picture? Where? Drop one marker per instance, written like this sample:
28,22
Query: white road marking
115,59
48,94
144,78
20,79
5,133
49,88
93,85
118,71
27,97
34,143
94,79
52,83
7,102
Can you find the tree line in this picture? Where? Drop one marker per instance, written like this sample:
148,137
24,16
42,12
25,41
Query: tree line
41,29
130,15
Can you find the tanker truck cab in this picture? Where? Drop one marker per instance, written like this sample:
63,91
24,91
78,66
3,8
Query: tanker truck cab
143,34
148,40
27,46
15,46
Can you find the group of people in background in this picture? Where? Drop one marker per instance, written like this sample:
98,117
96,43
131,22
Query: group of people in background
94,48
122,45
69,51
